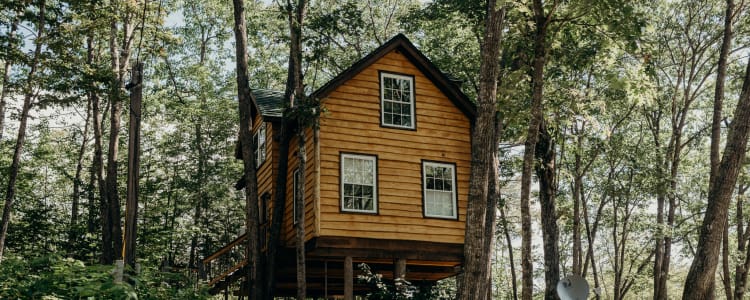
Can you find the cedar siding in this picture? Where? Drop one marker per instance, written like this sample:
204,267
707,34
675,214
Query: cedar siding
352,125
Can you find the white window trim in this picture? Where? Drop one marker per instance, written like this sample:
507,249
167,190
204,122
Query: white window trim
260,158
383,75
454,192
374,160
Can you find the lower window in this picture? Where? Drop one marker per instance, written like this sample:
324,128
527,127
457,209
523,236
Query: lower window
439,190
359,183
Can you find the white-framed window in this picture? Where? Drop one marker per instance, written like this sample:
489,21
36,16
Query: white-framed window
397,101
298,195
439,190
359,187
259,138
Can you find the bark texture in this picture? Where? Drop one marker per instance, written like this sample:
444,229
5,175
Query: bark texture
134,149
545,171
246,106
541,21
474,284
700,279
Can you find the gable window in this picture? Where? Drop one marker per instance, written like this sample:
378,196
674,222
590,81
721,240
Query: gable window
397,100
298,194
439,190
259,138
359,183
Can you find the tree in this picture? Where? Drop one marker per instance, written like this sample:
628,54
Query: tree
246,106
474,283
699,283
295,93
29,95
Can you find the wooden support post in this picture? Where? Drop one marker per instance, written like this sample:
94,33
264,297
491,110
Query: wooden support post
348,279
325,279
399,273
399,268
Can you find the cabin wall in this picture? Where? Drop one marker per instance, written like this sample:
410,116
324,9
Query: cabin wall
266,172
288,232
352,125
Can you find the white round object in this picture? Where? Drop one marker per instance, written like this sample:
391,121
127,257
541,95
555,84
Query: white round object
573,287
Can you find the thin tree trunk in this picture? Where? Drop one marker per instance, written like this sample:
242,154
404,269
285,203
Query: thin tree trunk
700,278
28,97
96,166
537,81
474,283
740,270
493,197
120,63
295,92
77,182
134,147
716,137
545,170
513,279
246,106
577,187
299,227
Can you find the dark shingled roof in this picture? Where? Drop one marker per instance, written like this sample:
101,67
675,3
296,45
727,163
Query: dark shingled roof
269,102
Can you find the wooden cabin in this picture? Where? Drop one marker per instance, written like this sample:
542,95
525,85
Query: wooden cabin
387,173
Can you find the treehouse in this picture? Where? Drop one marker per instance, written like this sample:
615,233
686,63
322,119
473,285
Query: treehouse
386,177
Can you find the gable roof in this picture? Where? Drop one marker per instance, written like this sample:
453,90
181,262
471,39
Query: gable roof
400,42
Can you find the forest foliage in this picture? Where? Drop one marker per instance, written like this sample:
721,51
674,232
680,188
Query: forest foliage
628,105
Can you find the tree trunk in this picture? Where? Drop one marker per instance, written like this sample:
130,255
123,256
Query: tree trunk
537,80
134,147
577,187
95,169
299,218
508,241
740,270
700,278
716,136
474,283
246,106
493,197
27,99
295,92
545,170
120,64
77,182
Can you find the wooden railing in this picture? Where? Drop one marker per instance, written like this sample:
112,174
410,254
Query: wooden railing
225,266
229,263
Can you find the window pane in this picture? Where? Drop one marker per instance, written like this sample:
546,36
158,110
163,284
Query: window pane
367,204
388,119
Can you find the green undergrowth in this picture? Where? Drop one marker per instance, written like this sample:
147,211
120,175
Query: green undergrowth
55,277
